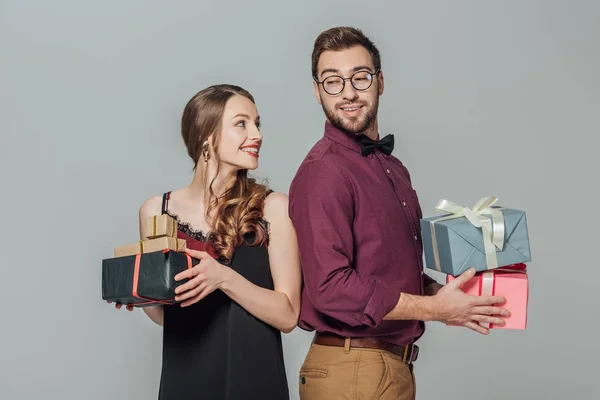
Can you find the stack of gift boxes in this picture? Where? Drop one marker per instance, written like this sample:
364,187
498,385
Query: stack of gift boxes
142,273
493,240
160,233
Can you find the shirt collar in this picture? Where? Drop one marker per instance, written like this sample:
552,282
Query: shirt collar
348,140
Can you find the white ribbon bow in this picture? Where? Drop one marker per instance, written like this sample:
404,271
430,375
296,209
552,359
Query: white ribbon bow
493,233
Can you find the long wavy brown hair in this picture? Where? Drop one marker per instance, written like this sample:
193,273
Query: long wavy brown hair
238,211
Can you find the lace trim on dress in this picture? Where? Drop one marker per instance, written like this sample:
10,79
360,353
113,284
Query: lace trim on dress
201,235
205,236
186,228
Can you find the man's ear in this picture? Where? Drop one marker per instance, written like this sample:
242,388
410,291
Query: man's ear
381,84
317,92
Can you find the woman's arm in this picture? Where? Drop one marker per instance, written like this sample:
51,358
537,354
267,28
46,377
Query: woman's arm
281,307
150,208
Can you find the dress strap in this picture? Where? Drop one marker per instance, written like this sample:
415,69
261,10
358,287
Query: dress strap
165,202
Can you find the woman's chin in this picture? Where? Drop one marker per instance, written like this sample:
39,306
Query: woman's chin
251,166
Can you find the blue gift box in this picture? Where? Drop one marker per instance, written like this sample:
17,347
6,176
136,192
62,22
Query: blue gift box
453,242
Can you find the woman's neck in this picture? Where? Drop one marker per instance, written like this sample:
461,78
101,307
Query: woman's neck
207,173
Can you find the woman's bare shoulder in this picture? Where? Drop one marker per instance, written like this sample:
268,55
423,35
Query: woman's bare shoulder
151,206
276,207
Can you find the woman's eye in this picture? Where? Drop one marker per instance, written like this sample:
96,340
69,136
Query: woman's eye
241,124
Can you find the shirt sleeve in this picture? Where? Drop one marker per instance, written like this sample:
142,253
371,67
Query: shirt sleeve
322,210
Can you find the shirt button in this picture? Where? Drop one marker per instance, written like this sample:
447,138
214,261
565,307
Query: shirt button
387,170
416,238
404,203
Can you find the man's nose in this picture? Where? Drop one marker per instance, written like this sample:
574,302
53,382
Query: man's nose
349,93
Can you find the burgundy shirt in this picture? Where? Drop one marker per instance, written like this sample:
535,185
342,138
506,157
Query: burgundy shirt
357,221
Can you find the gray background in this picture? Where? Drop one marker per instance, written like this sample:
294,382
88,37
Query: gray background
485,98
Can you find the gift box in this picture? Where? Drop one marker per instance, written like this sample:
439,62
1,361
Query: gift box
144,279
149,246
483,237
511,283
160,226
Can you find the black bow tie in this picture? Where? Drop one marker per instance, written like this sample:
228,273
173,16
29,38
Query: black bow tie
385,145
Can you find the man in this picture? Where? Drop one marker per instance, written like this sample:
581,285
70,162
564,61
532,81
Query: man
357,220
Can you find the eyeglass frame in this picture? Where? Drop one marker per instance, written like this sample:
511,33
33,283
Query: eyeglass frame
350,79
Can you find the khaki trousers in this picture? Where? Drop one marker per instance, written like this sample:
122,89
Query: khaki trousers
344,373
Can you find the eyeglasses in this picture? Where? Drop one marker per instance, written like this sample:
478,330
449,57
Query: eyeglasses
361,80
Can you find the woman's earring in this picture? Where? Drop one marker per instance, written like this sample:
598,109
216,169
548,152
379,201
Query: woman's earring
205,152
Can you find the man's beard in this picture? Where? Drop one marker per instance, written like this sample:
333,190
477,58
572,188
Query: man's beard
356,126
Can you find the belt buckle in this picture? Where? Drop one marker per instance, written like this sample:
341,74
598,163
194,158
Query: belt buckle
410,351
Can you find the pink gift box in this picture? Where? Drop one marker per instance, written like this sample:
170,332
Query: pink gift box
510,282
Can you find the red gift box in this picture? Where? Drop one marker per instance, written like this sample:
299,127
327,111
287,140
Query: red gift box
510,282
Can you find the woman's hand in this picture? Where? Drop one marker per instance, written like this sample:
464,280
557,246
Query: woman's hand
204,278
119,305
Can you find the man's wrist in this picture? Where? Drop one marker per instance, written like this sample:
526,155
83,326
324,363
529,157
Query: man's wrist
430,307
414,307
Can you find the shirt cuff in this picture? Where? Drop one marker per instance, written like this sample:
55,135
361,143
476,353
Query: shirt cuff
382,301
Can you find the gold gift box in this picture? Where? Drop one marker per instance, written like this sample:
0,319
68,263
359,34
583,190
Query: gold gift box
160,226
151,245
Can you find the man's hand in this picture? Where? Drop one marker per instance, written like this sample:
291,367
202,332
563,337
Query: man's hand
455,307
204,278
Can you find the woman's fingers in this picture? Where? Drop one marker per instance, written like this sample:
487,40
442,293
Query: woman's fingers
190,293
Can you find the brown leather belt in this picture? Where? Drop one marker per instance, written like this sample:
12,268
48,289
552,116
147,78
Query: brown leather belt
409,353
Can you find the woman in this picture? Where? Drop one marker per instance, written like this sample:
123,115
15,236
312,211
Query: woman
223,340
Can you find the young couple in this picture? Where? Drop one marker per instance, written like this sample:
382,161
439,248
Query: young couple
353,220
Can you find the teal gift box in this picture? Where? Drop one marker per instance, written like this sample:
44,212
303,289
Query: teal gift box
483,237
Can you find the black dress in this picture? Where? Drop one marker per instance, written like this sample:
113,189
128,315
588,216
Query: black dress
215,349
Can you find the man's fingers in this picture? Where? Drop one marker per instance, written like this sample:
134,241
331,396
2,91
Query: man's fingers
488,310
118,306
129,308
464,277
488,319
477,328
489,300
